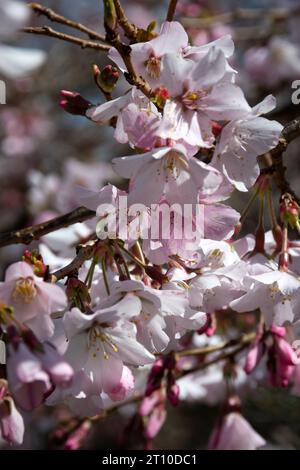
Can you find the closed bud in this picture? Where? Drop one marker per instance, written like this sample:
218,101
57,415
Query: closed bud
74,103
74,442
110,15
173,394
106,79
289,212
161,94
36,261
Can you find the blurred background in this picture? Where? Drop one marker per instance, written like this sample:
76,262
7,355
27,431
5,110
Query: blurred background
45,153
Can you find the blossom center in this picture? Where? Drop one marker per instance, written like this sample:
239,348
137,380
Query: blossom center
153,66
25,290
190,99
174,161
100,340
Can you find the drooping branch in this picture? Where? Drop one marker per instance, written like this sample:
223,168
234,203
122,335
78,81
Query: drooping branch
46,31
245,340
27,235
57,18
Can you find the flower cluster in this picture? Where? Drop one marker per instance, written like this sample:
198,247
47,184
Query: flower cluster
140,307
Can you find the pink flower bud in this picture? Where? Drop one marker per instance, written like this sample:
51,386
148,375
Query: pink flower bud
155,422
74,442
173,394
11,422
74,103
107,78
254,356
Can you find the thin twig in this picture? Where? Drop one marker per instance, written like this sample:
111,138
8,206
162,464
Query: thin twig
57,18
171,10
245,339
131,31
27,235
84,253
46,31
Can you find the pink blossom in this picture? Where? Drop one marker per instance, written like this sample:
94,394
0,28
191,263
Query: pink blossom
33,299
11,421
235,433
100,343
28,382
243,140
147,56
167,173
275,293
33,369
124,387
199,94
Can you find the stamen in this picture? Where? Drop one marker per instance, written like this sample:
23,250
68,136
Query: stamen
25,290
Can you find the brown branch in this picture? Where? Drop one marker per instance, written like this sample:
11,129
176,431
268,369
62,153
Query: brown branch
27,235
46,31
131,31
84,253
55,17
171,10
245,339
124,50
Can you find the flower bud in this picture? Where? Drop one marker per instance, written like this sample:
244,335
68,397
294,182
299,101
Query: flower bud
161,94
74,103
110,15
106,79
75,440
34,259
289,212
173,394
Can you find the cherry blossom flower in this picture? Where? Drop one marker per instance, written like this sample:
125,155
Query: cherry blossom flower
137,118
199,94
163,316
101,342
33,374
147,56
33,299
167,173
275,293
243,140
235,433
11,421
